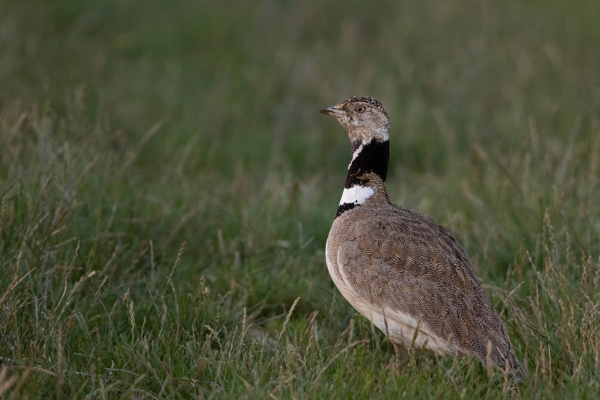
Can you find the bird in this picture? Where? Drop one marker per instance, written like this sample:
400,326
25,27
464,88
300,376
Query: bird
400,269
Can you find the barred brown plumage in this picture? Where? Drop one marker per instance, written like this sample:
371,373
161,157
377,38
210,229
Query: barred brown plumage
400,269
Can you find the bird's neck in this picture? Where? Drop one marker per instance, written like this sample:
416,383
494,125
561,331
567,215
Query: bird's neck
366,174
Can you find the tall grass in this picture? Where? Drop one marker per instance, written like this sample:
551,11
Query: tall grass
167,186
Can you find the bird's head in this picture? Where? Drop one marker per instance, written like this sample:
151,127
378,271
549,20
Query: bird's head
364,118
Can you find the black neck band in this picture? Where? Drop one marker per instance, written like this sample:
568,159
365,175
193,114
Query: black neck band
373,158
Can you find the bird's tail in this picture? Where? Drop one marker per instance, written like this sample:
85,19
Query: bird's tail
508,362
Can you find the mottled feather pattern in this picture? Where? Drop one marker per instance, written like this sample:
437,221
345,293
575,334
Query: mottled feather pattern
395,257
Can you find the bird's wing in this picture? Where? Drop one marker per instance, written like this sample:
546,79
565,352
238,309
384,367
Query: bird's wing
405,261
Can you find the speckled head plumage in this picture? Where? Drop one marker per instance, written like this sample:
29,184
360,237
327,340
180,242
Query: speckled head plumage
364,118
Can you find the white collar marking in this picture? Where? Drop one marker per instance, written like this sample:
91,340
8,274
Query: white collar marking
356,194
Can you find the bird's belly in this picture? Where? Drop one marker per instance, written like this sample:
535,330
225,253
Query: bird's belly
405,329
398,326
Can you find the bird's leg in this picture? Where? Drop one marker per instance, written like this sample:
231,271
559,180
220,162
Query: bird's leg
401,355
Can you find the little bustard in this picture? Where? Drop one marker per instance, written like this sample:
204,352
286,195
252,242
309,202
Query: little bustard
400,269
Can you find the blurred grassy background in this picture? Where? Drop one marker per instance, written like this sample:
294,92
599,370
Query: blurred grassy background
129,128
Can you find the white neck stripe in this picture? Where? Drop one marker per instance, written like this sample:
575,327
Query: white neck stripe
358,150
355,154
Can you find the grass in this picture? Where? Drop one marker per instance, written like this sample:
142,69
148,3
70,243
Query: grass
167,186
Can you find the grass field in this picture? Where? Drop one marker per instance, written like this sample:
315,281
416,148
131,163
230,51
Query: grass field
167,186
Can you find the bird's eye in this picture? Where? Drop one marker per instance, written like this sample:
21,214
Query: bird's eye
359,109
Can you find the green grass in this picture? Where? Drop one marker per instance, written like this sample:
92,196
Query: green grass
167,186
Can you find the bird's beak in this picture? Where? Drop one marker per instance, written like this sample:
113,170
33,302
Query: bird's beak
333,110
